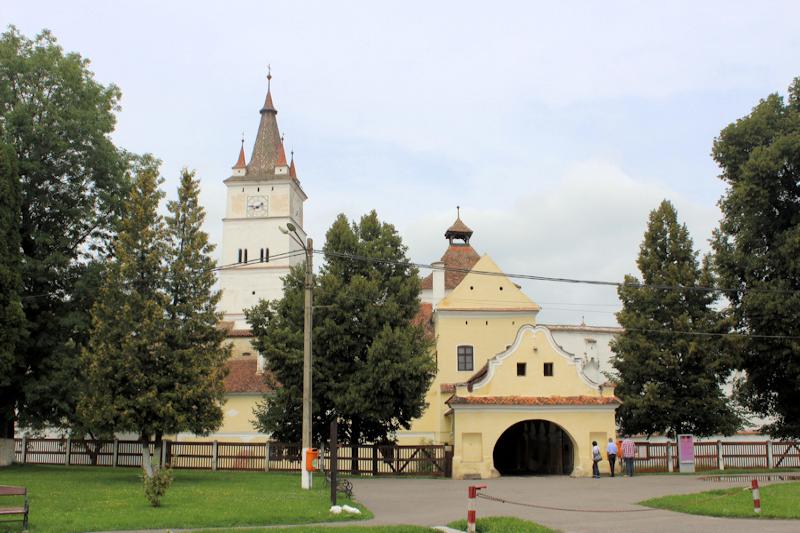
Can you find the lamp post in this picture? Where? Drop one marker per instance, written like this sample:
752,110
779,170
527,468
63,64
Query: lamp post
308,247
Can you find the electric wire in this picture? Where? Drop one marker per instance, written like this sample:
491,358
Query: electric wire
535,277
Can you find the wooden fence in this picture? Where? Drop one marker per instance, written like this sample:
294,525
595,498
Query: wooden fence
371,460
663,457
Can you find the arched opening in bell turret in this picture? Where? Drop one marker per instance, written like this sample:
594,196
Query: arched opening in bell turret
534,447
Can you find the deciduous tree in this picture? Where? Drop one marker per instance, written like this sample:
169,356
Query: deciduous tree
757,247
372,365
58,120
670,363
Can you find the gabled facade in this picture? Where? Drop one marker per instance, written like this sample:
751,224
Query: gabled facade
506,395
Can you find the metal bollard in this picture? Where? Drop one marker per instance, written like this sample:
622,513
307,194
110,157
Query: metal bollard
756,497
472,493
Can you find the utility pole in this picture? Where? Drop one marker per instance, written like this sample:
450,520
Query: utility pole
307,328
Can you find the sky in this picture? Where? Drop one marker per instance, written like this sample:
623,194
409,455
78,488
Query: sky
556,126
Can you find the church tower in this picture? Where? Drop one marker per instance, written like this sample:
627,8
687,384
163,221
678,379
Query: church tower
262,197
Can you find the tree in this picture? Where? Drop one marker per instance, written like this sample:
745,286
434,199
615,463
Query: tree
155,361
669,379
196,345
372,365
58,120
757,246
12,318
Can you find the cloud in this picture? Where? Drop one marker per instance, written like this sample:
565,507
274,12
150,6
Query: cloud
587,224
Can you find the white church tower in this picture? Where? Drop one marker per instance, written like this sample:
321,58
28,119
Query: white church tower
262,196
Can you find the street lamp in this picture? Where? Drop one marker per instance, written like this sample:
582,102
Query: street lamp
291,230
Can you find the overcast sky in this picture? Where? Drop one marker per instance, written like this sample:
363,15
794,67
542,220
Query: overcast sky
556,126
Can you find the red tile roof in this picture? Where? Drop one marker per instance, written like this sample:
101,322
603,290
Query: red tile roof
292,169
242,377
240,163
281,162
534,400
424,318
458,259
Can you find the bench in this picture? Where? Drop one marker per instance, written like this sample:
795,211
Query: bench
342,485
11,511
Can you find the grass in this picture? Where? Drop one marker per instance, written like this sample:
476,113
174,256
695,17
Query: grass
721,472
777,501
74,498
502,524
357,529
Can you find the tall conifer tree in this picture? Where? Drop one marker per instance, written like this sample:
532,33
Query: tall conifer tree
670,379
155,362
195,343
757,250
127,358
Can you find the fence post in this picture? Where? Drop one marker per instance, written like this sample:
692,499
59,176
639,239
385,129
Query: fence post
770,457
214,456
266,456
68,452
720,460
24,449
670,468
448,461
756,496
115,456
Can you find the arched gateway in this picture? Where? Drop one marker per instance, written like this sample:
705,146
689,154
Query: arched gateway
534,447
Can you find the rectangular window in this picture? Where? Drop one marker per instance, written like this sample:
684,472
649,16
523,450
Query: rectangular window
266,255
548,369
261,258
245,255
465,357
521,369
240,256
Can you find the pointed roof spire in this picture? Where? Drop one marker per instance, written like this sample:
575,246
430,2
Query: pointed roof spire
268,149
281,162
240,163
268,105
458,230
292,169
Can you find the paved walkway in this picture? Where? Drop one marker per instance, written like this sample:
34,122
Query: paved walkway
436,502
432,502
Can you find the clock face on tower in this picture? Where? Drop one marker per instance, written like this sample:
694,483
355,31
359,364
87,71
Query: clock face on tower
256,206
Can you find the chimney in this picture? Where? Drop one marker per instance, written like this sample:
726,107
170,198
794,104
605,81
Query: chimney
438,282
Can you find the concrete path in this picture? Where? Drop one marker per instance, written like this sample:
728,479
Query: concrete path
431,502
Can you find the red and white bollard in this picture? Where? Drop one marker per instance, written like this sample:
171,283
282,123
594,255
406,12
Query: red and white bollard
472,493
756,497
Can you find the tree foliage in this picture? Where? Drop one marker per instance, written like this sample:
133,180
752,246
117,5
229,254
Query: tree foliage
757,247
371,365
155,361
58,119
12,319
669,380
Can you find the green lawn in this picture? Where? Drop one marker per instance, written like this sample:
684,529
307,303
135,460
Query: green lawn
73,498
502,524
781,500
314,529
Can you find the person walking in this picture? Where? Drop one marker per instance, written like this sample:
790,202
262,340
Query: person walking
611,452
596,458
628,453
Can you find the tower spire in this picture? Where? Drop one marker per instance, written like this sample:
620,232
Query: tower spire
268,152
240,163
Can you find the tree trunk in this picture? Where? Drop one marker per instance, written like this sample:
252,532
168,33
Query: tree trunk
6,440
159,442
147,462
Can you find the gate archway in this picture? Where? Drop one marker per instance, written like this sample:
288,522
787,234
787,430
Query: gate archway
534,447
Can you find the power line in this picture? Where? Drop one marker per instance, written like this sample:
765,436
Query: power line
535,277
